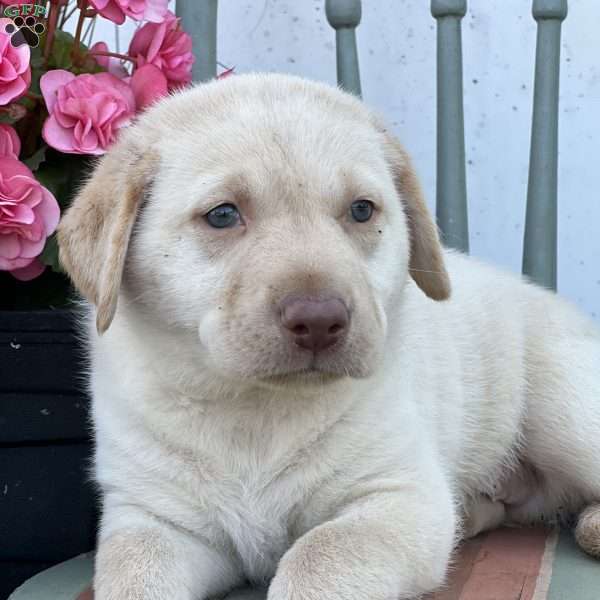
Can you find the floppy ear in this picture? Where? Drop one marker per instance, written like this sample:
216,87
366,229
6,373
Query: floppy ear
426,264
94,233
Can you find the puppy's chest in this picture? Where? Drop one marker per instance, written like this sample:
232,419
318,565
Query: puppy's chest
258,523
249,484
253,499
256,510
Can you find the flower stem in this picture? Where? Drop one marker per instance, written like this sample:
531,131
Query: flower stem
114,55
89,31
82,4
52,20
67,14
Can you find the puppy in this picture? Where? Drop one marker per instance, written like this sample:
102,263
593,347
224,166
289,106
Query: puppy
285,387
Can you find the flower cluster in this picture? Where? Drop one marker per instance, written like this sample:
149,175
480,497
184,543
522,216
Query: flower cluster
29,212
63,97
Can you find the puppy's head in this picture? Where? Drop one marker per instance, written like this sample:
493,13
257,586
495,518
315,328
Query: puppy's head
271,219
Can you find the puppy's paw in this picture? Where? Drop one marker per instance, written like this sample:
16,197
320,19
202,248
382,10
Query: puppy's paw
282,588
328,564
135,565
587,532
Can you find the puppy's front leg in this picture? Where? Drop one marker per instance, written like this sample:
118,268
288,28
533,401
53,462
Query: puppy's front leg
146,559
389,545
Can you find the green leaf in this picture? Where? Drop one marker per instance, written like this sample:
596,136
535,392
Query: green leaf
54,178
62,174
49,255
61,56
37,158
38,68
62,47
36,59
37,63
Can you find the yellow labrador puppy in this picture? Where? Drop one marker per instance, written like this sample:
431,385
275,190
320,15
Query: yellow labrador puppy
292,381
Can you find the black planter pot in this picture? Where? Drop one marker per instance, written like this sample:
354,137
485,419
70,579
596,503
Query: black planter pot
47,504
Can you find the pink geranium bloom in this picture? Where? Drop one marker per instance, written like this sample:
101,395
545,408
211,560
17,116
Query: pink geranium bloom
10,144
146,10
167,47
15,73
85,111
29,213
34,269
148,84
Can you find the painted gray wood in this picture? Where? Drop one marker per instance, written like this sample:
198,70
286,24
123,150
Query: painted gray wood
344,16
451,186
61,582
451,189
199,19
540,243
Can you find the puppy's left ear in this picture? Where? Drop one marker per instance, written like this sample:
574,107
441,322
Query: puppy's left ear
94,233
426,264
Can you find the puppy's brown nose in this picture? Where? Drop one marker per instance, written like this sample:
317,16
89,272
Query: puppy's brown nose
314,324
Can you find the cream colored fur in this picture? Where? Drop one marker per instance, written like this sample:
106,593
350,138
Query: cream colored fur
223,454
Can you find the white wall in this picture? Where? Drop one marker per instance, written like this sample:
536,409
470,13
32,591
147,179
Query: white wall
396,42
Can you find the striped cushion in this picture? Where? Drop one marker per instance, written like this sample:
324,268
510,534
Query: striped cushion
522,564
506,564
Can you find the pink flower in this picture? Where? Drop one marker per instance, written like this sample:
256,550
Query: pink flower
167,47
15,74
110,63
86,112
29,213
10,144
148,84
34,269
146,10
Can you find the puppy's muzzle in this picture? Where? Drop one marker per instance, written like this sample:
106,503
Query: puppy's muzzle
314,324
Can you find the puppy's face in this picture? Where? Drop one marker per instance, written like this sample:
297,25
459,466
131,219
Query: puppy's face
274,228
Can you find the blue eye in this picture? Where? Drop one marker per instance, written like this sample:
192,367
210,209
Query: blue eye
222,216
362,210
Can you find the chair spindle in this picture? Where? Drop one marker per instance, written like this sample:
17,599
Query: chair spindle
344,16
451,186
199,19
540,242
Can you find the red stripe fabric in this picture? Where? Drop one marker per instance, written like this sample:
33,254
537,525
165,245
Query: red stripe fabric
500,565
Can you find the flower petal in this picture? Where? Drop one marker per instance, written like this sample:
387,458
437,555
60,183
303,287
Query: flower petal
148,85
156,10
10,144
58,137
34,269
10,247
50,82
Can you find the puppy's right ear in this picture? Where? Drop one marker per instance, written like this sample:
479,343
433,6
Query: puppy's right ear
94,233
